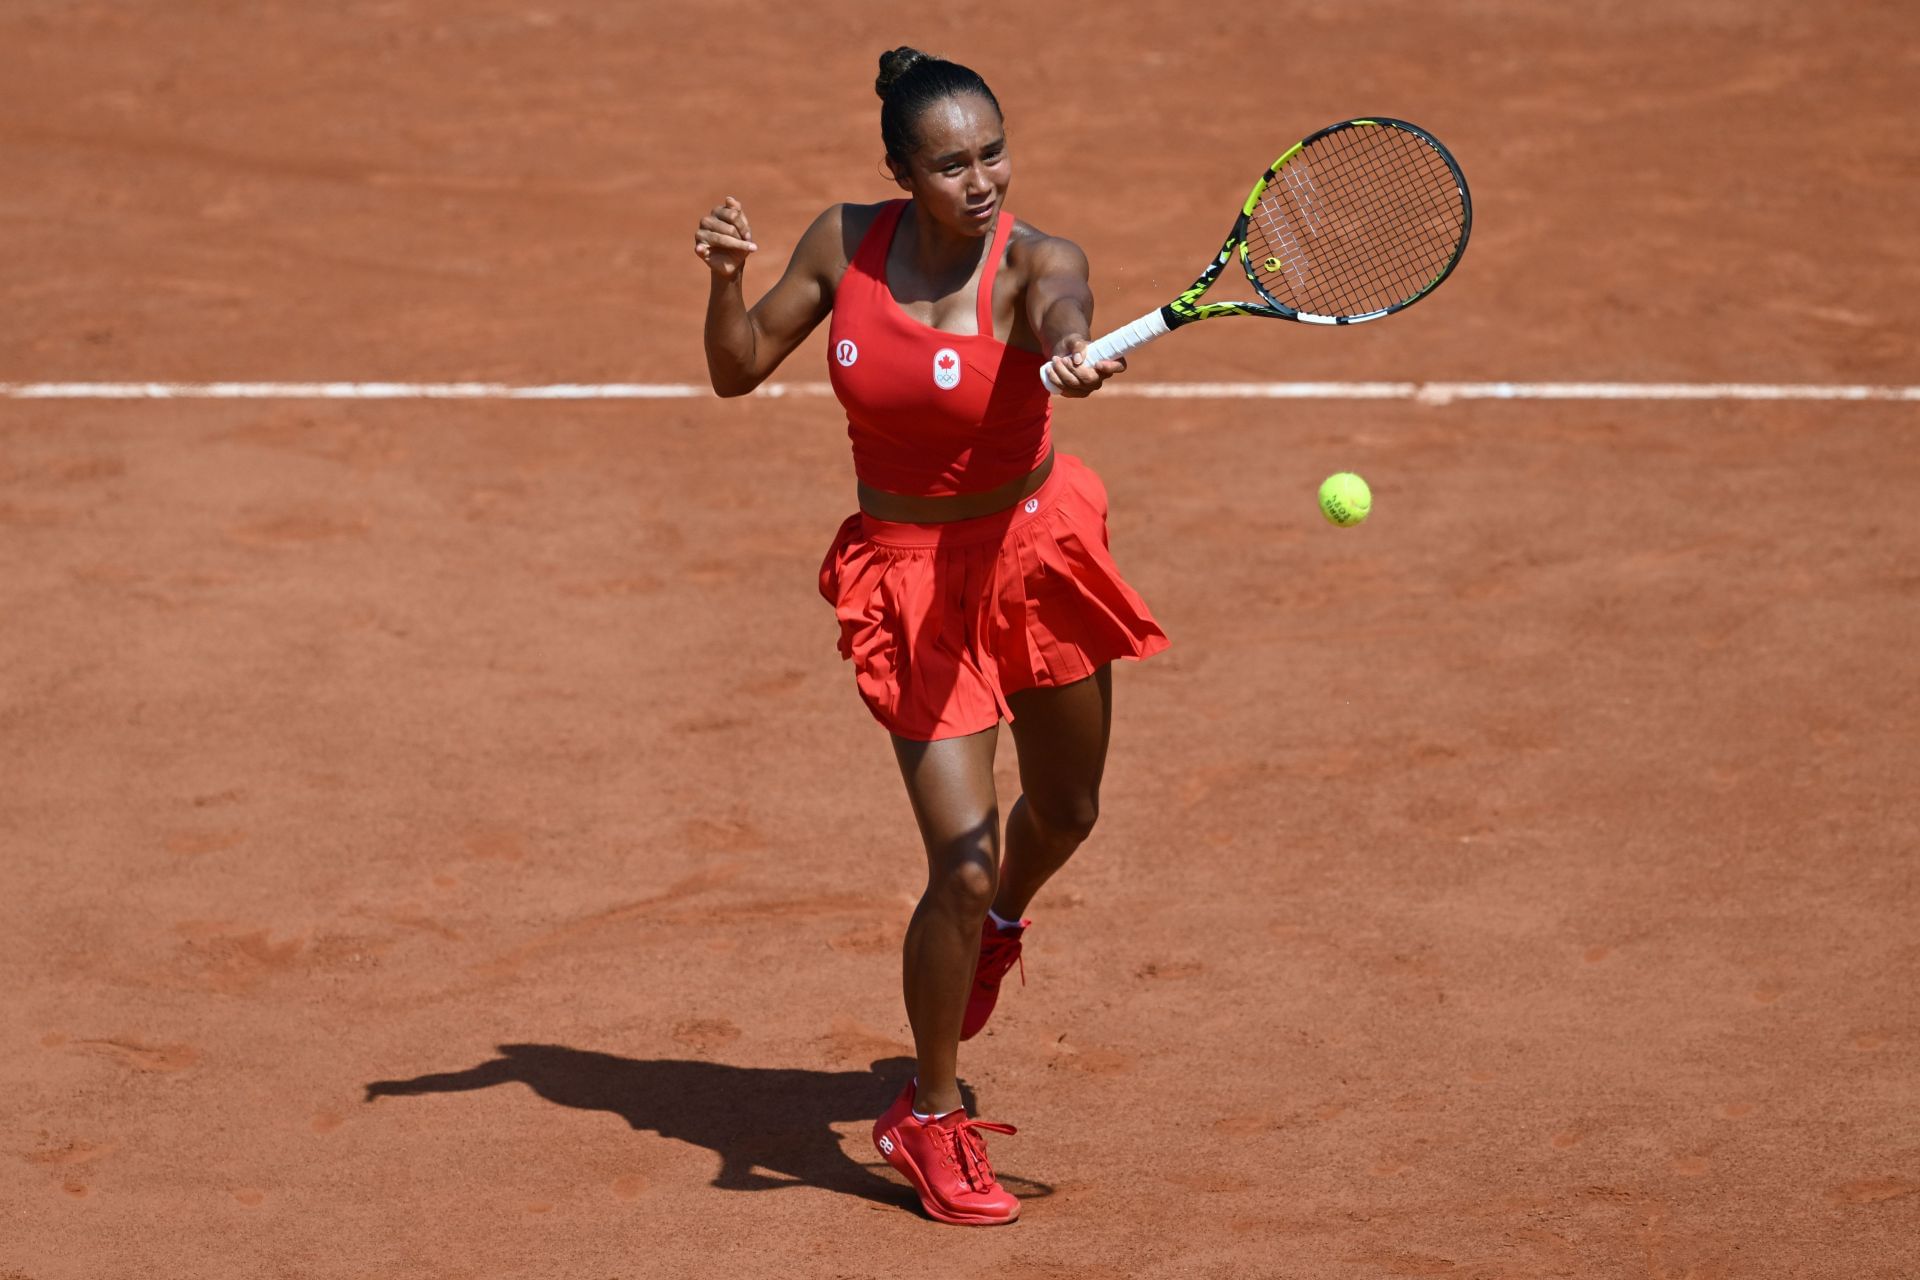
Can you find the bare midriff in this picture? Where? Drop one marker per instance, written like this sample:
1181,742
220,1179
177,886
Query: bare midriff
906,509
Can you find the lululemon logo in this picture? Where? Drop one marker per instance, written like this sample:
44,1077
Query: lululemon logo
1033,505
846,353
946,368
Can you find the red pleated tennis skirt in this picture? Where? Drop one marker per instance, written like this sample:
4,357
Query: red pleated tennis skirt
943,621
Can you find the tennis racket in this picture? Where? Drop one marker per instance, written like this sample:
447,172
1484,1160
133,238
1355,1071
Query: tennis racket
1355,222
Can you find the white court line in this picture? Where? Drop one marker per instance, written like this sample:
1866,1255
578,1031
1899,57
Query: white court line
1421,392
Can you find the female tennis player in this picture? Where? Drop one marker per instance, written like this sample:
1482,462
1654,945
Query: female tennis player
974,583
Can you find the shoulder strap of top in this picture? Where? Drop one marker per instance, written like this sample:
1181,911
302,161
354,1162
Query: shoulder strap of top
870,258
1002,230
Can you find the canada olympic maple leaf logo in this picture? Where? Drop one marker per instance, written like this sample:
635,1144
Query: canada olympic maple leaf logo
946,368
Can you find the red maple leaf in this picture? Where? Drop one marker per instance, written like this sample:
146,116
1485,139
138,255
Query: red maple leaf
946,363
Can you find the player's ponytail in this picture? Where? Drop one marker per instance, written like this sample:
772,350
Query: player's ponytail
911,81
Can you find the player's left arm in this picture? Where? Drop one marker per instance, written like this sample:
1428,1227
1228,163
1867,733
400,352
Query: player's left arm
1060,312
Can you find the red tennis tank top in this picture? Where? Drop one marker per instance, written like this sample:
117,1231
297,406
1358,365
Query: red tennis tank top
931,413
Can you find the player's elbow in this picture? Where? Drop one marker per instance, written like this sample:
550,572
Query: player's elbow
730,385
733,371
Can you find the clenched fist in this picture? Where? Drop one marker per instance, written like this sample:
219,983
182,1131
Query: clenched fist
724,240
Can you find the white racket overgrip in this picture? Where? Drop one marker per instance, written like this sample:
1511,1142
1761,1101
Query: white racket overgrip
1138,334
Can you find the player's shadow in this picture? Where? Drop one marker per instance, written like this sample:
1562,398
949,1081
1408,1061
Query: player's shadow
768,1125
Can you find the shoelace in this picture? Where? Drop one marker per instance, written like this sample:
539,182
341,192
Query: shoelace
969,1152
994,964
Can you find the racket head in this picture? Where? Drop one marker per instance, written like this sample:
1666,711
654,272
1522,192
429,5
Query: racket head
1357,221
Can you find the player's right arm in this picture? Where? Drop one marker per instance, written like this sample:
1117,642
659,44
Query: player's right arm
745,345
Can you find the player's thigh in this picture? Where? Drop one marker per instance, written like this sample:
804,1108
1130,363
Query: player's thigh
950,785
1061,735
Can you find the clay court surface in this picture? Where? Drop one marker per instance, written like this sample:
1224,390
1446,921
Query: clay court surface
441,840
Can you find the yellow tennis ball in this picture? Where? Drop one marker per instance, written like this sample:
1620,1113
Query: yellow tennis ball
1345,499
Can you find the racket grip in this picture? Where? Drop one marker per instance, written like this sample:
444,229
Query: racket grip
1118,343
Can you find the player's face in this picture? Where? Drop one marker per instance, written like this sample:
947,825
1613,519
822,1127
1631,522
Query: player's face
960,171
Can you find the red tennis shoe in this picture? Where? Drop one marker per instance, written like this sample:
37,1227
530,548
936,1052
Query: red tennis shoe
999,952
946,1161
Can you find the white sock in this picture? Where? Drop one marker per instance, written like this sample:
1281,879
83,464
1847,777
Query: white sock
914,1107
1000,921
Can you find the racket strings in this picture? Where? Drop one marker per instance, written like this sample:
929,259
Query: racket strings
1360,220
1346,241
1364,231
1353,243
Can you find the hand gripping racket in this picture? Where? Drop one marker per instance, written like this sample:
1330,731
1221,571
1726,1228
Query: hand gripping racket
1355,222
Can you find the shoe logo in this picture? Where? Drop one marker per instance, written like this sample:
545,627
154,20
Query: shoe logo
886,1145
846,353
946,368
1033,505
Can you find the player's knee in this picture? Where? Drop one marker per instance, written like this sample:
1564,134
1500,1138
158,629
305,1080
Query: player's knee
967,883
1068,819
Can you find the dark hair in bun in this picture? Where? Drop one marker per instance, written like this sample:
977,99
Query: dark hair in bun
911,81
